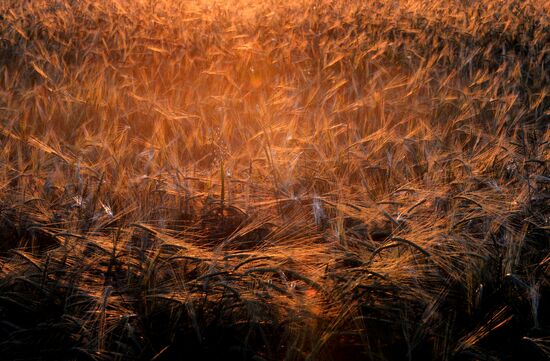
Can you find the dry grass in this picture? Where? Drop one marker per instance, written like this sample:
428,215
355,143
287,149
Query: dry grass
314,180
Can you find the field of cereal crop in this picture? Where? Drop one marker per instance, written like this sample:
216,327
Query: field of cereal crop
274,180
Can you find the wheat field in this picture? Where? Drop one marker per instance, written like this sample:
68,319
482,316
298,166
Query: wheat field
274,180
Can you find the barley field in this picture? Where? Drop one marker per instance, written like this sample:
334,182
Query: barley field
274,180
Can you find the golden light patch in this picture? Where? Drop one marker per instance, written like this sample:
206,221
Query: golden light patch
256,81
